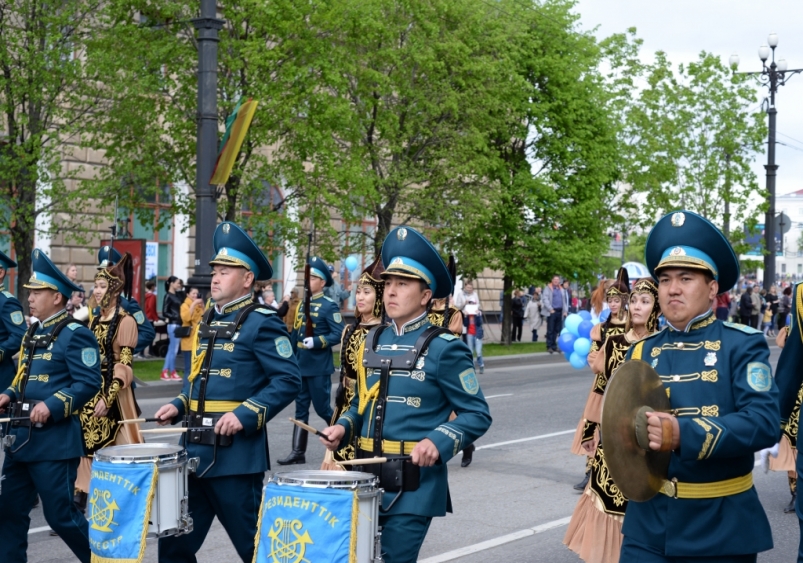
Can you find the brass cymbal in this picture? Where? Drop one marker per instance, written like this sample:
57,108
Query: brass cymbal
638,473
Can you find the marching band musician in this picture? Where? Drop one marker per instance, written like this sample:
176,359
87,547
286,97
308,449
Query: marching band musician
724,408
116,334
595,530
109,256
368,313
239,382
12,325
314,354
404,410
58,373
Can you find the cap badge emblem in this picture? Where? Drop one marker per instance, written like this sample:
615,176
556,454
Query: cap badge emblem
224,251
678,219
401,234
226,228
36,253
677,251
397,260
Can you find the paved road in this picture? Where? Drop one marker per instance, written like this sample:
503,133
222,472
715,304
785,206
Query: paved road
516,496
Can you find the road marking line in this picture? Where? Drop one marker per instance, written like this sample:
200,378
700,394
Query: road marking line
520,440
495,396
37,530
496,542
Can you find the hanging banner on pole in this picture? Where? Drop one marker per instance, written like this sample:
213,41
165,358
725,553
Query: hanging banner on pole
236,129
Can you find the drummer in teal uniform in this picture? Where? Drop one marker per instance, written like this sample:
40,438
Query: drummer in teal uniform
59,373
108,256
404,410
724,405
236,386
314,355
12,326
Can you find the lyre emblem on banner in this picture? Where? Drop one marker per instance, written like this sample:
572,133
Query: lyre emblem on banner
283,548
102,517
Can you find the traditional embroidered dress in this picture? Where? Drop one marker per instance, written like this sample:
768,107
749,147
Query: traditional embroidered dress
587,427
595,530
117,336
351,351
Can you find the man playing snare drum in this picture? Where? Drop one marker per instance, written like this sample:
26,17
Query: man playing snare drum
235,387
404,410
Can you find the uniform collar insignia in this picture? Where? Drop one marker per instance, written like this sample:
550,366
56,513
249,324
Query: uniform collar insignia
410,326
317,295
235,305
58,317
696,323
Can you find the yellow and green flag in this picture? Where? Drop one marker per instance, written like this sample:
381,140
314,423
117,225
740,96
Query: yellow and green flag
236,129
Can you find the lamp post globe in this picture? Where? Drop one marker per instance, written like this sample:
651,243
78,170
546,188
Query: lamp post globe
772,40
763,53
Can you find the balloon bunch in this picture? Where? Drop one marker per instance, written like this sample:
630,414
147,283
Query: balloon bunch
575,339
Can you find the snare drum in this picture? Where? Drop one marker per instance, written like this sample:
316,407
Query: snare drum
169,512
369,497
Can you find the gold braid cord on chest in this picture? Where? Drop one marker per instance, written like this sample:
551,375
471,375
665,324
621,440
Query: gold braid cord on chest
352,360
100,431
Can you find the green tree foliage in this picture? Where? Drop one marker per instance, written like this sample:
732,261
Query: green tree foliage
689,139
48,98
556,156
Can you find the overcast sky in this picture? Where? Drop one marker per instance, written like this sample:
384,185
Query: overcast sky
684,28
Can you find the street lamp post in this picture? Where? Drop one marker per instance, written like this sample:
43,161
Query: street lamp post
773,76
208,26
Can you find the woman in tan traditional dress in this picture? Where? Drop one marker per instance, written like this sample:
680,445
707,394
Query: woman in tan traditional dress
595,530
586,435
368,314
116,332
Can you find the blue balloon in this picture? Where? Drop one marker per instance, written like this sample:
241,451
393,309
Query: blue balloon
566,342
573,322
563,331
568,355
582,346
578,362
585,314
604,315
351,263
584,330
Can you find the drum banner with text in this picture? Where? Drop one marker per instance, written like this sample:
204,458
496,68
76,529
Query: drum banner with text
118,510
307,525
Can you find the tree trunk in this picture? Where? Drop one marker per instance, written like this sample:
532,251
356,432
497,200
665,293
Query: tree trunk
507,318
384,222
23,232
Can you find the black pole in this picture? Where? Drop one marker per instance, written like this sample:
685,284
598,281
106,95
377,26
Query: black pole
772,168
206,146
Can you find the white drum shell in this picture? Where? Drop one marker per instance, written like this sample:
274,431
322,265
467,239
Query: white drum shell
169,510
369,498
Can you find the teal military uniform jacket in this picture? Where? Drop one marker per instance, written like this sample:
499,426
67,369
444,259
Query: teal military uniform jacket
721,389
12,329
419,402
328,324
65,376
254,375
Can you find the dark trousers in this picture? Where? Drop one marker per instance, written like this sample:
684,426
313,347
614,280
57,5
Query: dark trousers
635,552
316,389
234,499
754,321
745,320
54,482
517,327
402,537
554,324
722,313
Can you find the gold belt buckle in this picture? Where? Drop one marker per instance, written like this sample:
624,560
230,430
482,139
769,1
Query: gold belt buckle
670,488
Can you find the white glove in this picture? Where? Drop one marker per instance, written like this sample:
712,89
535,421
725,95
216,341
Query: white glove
774,450
308,342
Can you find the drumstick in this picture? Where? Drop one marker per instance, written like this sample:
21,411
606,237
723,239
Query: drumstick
179,430
138,420
369,461
14,418
308,428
